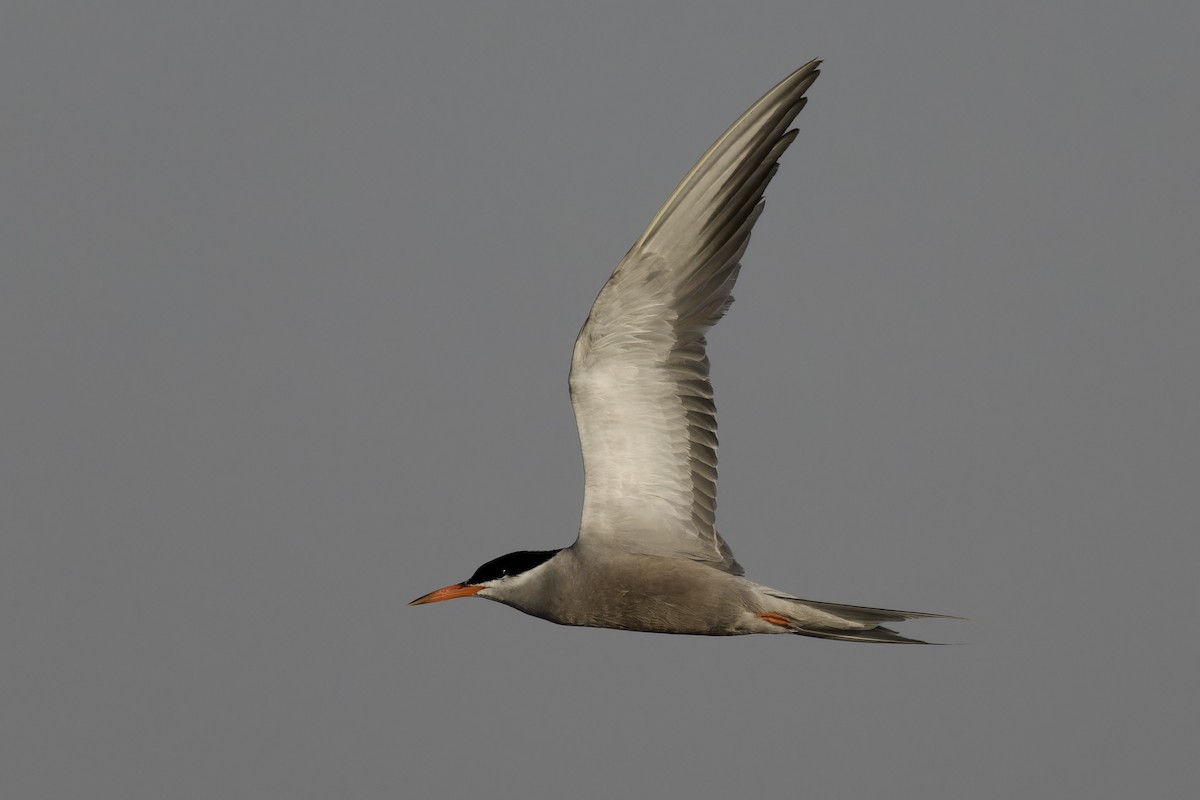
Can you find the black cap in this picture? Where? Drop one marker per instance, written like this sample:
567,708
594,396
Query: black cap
510,565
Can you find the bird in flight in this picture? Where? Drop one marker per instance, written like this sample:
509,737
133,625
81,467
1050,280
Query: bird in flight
648,556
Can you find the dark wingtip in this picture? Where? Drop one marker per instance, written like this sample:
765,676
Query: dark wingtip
876,635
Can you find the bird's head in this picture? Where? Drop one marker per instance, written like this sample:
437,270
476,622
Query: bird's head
494,579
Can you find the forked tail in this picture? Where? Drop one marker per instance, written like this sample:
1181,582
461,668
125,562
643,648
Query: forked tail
845,623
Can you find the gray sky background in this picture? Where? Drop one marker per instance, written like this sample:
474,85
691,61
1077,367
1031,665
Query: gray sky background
287,302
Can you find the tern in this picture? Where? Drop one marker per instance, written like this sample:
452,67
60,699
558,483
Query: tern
648,556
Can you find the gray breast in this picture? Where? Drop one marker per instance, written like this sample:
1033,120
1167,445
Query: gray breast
611,589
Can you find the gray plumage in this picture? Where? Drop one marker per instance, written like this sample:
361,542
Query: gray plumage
648,556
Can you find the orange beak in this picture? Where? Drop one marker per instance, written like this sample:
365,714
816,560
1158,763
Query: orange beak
448,593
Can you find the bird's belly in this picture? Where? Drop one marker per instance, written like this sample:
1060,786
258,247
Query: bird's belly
654,602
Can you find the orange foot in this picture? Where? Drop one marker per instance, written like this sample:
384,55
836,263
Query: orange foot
773,618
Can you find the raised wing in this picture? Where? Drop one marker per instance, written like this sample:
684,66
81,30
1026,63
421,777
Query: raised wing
639,373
